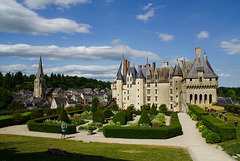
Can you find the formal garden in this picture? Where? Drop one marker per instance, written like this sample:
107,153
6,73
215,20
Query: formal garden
219,125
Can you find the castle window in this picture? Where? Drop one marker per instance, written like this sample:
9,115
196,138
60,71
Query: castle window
156,77
128,92
155,84
200,79
138,82
216,79
155,98
148,84
130,85
190,79
155,91
148,91
171,99
138,89
210,79
148,77
138,95
148,98
128,97
170,91
176,96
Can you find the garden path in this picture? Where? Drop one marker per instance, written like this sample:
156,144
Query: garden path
191,139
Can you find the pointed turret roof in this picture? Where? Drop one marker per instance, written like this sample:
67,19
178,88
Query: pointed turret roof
40,69
119,74
177,70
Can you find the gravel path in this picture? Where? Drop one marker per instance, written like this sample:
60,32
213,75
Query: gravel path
191,139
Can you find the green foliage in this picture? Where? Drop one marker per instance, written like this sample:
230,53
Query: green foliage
14,119
6,98
95,103
17,117
86,107
144,119
86,115
232,108
145,107
159,120
206,132
59,109
16,105
114,107
202,128
100,107
120,117
213,138
197,111
199,123
48,111
36,113
233,92
153,110
78,107
128,114
98,116
130,108
225,131
63,116
163,108
137,132
107,113
109,97
70,108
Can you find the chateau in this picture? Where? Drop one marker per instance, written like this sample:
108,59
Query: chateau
188,82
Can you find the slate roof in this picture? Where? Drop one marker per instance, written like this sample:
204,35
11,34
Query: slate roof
201,64
132,70
177,71
60,101
40,69
119,74
163,73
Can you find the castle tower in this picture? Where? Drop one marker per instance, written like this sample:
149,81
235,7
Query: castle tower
39,82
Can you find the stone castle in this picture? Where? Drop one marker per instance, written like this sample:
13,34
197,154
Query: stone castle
188,82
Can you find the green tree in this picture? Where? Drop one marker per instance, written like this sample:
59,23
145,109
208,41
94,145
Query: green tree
114,107
146,107
63,116
144,119
163,108
6,98
100,107
153,110
16,105
95,103
109,97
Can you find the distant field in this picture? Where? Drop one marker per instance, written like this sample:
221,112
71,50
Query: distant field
25,148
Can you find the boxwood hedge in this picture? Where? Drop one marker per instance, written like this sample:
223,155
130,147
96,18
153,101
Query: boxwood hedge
10,121
232,108
164,132
197,111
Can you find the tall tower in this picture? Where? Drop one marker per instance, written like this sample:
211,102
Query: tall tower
39,82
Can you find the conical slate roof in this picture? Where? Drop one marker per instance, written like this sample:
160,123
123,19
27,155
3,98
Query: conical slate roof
40,69
201,64
119,74
177,70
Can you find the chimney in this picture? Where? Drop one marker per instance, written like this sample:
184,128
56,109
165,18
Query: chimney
165,63
128,65
125,67
181,62
139,67
198,52
153,66
148,65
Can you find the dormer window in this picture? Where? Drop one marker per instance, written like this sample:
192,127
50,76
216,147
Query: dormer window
200,79
148,77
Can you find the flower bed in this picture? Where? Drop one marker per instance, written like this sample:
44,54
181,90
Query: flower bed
137,132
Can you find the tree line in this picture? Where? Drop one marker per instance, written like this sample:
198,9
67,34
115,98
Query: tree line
233,92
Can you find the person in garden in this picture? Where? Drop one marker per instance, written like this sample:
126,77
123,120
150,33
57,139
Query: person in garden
63,129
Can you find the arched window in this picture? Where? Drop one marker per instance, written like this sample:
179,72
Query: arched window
195,99
210,99
190,98
200,99
205,99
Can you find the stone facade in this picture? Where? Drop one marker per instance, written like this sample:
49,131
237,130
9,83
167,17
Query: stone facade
39,83
176,86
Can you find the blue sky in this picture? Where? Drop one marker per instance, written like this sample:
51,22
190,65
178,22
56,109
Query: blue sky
88,37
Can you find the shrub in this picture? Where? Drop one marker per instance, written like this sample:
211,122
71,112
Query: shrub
17,117
130,108
144,119
36,114
153,110
145,107
63,116
158,120
114,107
199,123
120,117
70,108
128,114
193,117
107,113
95,103
59,109
197,111
232,108
205,132
225,131
163,108
78,107
189,112
98,116
100,107
86,107
86,115
202,128
47,111
213,138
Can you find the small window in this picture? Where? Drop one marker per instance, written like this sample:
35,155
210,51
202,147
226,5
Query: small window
148,84
190,79
200,79
138,89
128,97
130,85
155,84
148,91
156,98
128,92
148,98
138,95
155,91
156,77
210,79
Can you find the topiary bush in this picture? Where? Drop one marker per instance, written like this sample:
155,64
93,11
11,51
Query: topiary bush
114,107
17,117
36,114
130,108
120,117
153,110
98,116
107,113
144,119
199,123
206,132
202,128
213,138
129,114
63,116
145,107
163,108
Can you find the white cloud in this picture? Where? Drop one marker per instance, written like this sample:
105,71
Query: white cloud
203,35
147,6
42,4
145,17
176,59
116,42
25,51
224,75
234,40
15,18
231,48
165,37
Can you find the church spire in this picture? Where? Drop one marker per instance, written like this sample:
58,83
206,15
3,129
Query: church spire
40,69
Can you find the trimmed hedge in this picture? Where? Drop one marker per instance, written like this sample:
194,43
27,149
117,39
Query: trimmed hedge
197,111
232,108
128,114
98,116
145,132
225,131
107,113
144,119
38,125
10,121
120,117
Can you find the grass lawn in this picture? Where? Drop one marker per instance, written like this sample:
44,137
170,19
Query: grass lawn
13,147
